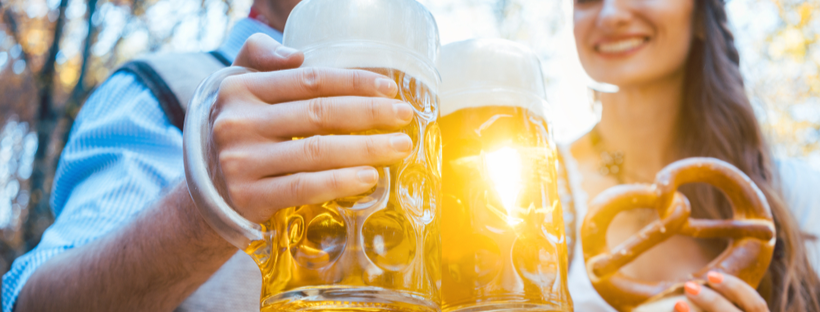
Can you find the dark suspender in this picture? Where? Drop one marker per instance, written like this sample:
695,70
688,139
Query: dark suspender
221,58
167,100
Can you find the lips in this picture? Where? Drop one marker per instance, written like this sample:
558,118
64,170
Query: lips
621,46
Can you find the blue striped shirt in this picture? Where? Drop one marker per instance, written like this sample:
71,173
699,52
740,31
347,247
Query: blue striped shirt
122,154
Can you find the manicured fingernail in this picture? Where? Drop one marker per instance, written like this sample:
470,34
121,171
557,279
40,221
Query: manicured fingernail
681,306
715,277
401,143
285,52
368,175
386,87
692,288
404,111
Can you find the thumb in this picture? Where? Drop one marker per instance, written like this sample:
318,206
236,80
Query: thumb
262,53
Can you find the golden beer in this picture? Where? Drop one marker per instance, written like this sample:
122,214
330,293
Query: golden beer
351,256
378,251
503,243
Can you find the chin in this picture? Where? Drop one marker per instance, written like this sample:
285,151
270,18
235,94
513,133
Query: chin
616,79
635,72
628,76
615,74
641,68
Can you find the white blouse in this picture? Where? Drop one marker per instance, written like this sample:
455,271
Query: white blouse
801,192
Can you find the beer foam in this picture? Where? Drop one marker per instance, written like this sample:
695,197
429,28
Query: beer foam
396,34
490,72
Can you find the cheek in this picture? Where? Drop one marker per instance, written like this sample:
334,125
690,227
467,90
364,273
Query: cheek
584,23
677,53
579,41
675,34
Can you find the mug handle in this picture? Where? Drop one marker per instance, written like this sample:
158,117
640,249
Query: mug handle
195,138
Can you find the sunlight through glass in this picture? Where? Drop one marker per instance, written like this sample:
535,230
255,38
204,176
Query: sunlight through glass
504,168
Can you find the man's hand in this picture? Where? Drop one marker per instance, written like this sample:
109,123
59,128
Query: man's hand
257,115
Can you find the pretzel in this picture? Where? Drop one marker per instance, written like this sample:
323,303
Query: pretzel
751,230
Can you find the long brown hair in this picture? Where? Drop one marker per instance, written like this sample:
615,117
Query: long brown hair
717,120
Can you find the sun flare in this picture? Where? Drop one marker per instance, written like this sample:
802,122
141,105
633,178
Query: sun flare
504,169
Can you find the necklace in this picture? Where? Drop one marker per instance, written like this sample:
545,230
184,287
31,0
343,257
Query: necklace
612,165
611,161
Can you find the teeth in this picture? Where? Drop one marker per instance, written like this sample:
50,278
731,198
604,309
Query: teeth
621,46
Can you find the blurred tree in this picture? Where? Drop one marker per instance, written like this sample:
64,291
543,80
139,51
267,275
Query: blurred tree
53,53
778,41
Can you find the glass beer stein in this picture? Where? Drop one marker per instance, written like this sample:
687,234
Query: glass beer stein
503,243
378,251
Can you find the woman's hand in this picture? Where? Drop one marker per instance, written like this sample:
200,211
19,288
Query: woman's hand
725,293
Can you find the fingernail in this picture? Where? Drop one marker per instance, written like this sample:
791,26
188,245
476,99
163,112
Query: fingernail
285,52
386,87
692,288
368,175
404,111
401,143
715,277
681,306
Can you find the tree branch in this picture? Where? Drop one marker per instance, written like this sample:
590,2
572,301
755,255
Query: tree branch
11,22
79,87
79,92
46,121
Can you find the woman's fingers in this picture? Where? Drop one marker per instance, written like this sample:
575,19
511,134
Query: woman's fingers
707,299
259,200
737,291
725,293
313,154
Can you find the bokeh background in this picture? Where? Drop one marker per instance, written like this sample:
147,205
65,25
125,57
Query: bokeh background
53,53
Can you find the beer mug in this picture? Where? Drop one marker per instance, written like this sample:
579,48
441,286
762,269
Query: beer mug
503,243
375,251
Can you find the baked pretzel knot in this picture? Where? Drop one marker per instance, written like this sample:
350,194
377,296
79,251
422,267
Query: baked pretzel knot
751,230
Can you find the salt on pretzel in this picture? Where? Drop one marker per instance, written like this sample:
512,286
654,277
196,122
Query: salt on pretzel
751,230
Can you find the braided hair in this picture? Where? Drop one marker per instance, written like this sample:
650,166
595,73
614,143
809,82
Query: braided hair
717,120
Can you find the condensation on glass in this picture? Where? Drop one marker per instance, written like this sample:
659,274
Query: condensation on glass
378,251
503,242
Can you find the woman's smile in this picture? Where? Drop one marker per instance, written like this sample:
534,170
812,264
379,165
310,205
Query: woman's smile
622,46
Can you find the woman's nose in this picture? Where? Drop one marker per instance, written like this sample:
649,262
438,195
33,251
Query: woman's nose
614,13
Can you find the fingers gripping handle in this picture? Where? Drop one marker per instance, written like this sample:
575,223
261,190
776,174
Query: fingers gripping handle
195,146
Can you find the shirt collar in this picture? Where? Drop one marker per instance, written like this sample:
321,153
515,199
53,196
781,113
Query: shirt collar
240,32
